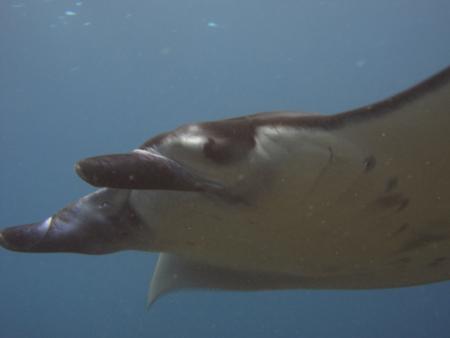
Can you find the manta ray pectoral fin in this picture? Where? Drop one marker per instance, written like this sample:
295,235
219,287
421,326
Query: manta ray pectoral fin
142,170
174,272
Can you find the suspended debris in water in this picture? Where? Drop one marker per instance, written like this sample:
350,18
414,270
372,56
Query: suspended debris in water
212,24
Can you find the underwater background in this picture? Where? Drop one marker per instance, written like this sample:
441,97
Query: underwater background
85,78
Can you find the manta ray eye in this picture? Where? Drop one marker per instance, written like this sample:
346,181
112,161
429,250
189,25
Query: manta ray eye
227,150
218,151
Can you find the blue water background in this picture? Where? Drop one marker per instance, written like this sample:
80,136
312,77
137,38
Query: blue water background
94,77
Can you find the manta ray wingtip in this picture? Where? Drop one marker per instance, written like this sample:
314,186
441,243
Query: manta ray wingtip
150,301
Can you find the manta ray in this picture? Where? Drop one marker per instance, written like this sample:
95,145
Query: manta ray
278,200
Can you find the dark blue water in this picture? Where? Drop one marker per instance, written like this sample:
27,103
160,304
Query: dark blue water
94,77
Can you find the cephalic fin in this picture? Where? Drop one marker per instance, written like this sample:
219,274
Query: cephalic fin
142,170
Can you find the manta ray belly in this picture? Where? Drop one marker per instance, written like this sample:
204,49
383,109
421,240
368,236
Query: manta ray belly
281,226
310,209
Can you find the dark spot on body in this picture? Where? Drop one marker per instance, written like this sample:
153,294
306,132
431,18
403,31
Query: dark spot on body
403,204
370,163
392,201
331,269
424,241
437,261
404,260
402,228
331,158
391,184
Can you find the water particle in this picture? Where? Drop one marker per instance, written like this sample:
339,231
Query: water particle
360,63
70,13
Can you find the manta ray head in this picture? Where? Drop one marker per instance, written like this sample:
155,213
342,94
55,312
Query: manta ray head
101,222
